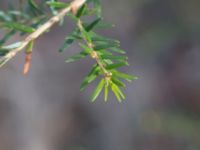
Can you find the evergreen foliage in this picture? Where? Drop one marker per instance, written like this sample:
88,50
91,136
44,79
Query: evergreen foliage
32,20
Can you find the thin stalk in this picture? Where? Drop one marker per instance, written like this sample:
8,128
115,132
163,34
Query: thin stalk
94,54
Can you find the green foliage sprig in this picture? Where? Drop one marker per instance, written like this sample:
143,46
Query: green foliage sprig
31,20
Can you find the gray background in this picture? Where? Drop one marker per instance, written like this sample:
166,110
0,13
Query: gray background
45,110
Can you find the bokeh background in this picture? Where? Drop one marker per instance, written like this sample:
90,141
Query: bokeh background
45,110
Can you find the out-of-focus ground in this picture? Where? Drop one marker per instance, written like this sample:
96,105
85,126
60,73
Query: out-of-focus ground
46,111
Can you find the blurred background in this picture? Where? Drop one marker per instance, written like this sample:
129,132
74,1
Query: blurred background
45,110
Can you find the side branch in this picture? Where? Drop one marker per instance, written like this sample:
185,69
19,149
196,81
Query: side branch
74,6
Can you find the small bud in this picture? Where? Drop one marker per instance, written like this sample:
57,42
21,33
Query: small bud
109,74
94,55
27,63
90,45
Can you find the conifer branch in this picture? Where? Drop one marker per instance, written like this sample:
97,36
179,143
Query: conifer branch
105,51
75,5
